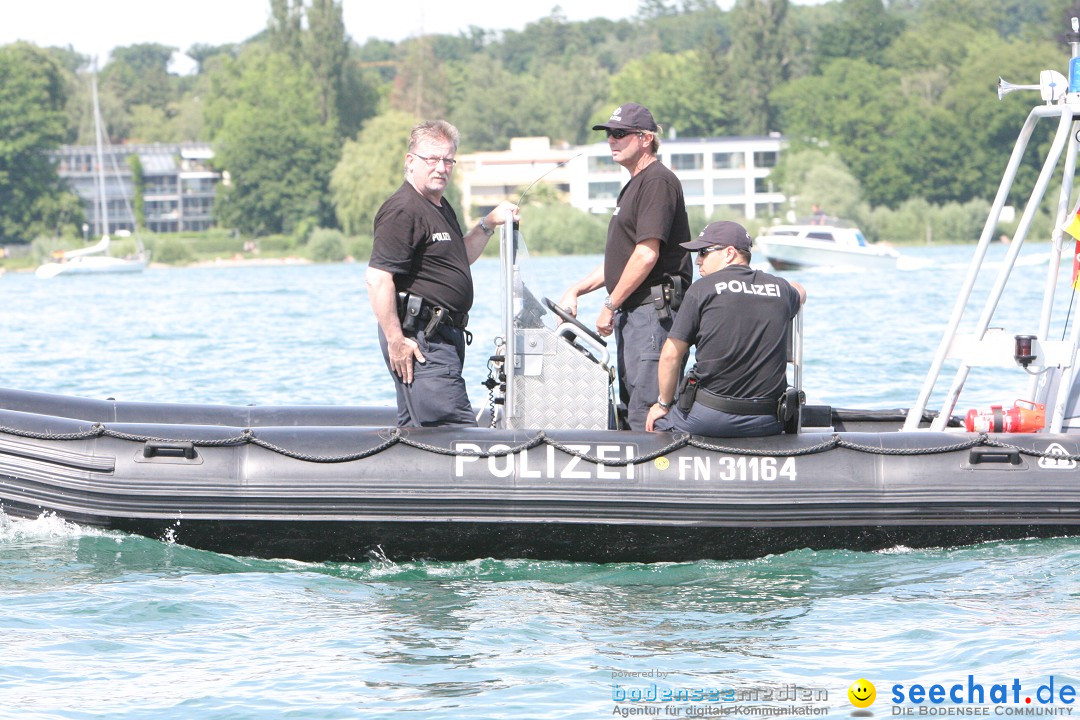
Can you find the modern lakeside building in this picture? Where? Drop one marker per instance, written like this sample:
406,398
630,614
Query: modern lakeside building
178,185
724,174
729,175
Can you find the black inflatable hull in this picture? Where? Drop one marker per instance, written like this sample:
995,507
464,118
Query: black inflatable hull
337,484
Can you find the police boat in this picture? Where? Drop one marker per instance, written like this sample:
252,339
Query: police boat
547,476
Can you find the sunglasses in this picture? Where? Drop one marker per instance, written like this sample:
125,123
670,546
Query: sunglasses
620,134
705,251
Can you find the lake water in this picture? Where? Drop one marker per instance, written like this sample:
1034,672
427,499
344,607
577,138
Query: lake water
104,625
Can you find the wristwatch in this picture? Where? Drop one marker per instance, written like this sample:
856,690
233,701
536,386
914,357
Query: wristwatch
487,231
609,306
663,405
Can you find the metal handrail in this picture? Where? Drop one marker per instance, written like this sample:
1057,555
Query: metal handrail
1065,113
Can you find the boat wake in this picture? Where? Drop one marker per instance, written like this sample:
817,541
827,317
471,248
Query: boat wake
46,526
908,263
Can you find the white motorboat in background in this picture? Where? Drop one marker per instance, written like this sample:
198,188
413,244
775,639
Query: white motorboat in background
794,247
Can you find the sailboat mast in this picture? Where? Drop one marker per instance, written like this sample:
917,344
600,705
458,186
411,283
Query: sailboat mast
103,206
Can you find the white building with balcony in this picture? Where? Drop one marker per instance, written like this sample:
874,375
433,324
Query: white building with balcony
488,178
723,174
179,184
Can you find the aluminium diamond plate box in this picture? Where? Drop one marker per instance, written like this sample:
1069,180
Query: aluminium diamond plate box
558,384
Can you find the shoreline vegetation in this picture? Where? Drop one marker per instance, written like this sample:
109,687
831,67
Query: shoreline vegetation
215,248
549,228
889,113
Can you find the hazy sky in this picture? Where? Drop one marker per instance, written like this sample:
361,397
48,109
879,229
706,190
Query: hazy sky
94,27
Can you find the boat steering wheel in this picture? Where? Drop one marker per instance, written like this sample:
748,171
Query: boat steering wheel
567,317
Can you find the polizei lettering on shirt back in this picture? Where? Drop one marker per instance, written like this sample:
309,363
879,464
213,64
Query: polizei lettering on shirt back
738,286
545,462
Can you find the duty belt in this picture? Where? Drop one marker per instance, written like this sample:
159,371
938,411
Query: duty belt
459,320
666,296
416,312
736,406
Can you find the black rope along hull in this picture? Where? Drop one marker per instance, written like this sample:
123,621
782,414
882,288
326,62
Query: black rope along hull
337,484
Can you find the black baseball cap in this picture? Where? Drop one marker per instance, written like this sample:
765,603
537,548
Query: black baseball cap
629,116
722,233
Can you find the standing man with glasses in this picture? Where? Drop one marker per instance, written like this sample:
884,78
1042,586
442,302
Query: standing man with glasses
420,283
644,268
738,320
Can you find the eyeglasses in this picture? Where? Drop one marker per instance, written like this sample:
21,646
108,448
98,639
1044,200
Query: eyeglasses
433,161
620,134
705,251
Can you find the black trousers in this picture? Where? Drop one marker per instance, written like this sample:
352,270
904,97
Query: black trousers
437,394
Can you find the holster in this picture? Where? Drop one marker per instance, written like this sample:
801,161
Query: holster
787,408
667,296
409,307
687,391
416,313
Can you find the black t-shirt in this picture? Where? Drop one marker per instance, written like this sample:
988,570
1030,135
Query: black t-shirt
738,319
422,246
651,205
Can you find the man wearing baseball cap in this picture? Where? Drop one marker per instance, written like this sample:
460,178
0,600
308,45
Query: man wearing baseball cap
644,269
738,320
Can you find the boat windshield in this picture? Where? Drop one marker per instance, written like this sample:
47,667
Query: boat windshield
522,302
529,312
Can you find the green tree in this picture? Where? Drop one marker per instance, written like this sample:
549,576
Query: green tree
987,127
326,245
673,88
653,9
33,95
863,29
698,24
813,177
137,76
420,86
565,98
548,40
485,124
172,251
285,29
201,53
370,170
326,48
758,61
148,124
952,135
268,138
849,109
138,183
557,228
186,119
345,95
940,50
1005,18
359,99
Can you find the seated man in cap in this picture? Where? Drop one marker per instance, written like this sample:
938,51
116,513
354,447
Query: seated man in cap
738,320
